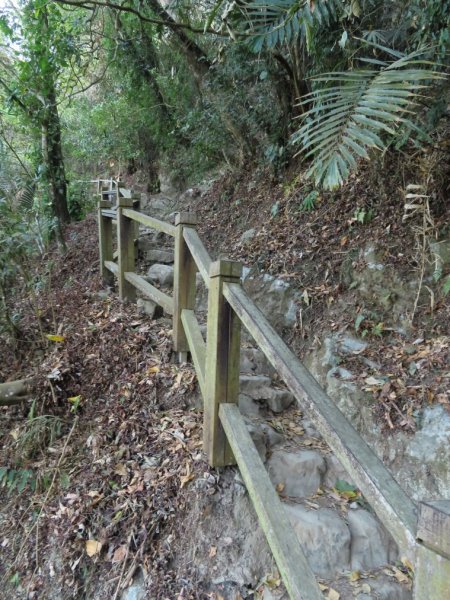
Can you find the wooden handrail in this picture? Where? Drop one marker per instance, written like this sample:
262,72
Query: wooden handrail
198,252
151,291
226,439
196,344
388,499
297,575
150,221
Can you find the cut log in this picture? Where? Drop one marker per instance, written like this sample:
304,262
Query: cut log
14,392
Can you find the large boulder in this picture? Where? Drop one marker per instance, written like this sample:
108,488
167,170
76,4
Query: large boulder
371,544
300,472
325,539
162,274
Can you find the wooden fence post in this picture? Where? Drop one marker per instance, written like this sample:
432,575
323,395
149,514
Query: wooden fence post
222,361
125,241
184,284
105,242
432,569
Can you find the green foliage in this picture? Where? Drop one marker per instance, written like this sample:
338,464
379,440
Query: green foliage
352,112
309,201
446,286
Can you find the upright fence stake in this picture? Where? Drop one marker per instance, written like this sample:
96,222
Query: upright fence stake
432,569
184,282
222,361
125,240
105,242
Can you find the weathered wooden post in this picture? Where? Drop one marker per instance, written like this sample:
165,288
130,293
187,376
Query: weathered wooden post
125,240
432,569
184,284
222,361
105,242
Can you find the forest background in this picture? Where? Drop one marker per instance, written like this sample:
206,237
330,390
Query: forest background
183,88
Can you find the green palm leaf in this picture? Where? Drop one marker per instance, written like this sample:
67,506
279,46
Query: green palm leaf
282,21
352,112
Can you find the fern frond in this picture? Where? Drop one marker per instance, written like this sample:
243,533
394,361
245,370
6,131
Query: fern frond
282,21
352,112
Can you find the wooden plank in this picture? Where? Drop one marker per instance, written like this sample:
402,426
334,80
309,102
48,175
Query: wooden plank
431,575
151,291
125,240
112,266
150,221
199,253
105,244
125,193
197,345
109,213
297,575
184,282
392,505
222,362
434,526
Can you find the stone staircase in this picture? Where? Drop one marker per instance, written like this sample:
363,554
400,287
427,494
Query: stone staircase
347,547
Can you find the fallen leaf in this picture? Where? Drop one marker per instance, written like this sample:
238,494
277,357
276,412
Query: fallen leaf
55,338
212,551
355,575
280,487
93,547
119,554
121,470
333,594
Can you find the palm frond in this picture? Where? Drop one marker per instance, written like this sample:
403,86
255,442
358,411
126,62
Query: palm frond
282,21
353,112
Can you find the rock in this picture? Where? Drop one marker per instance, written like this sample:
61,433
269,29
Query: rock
255,386
371,545
301,472
162,274
259,439
334,472
136,591
273,437
253,361
279,400
259,387
149,308
276,299
389,590
350,345
248,406
159,256
247,236
325,539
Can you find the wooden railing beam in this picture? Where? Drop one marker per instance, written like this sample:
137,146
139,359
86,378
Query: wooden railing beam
125,239
392,505
105,243
184,284
223,341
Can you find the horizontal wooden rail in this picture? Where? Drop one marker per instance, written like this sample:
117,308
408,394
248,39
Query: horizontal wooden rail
196,343
198,252
111,214
297,575
392,505
151,291
112,266
149,221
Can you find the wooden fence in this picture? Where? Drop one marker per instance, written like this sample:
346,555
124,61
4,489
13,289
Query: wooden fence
422,533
